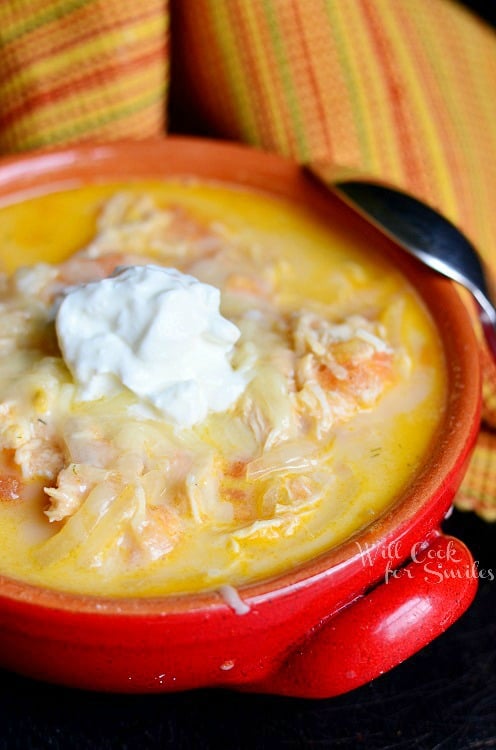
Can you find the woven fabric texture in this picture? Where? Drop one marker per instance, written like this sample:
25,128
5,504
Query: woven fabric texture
75,70
398,91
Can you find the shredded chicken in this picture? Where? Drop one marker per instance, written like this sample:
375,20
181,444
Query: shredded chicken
119,483
340,368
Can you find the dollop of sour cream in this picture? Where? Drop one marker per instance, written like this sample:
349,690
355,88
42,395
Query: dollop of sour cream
157,332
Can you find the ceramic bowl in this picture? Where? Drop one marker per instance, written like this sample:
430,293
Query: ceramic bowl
322,628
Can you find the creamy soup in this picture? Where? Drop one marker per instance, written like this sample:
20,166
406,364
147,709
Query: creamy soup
334,388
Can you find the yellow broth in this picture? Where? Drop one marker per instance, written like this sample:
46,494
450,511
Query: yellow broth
370,459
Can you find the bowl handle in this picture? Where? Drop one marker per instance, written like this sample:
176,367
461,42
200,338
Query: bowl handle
411,607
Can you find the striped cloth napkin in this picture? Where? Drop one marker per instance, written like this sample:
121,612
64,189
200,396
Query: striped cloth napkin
79,70
395,90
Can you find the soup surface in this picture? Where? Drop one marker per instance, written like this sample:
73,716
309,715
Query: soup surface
343,390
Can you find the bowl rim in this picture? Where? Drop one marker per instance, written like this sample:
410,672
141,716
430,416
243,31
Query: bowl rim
246,167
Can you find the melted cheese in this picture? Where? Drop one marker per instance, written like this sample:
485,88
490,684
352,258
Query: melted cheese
346,389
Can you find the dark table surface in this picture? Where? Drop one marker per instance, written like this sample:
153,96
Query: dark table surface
443,698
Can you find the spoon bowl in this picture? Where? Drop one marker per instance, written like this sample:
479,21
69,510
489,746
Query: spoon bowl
430,237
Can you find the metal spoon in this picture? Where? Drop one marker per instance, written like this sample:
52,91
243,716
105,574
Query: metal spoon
428,236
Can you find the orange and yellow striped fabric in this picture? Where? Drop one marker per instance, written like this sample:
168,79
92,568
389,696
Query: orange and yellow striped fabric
394,90
73,70
399,91
477,491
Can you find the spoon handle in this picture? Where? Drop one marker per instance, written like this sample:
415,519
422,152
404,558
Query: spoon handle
488,323
430,237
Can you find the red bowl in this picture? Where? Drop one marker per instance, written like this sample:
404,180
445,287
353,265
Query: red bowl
324,627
